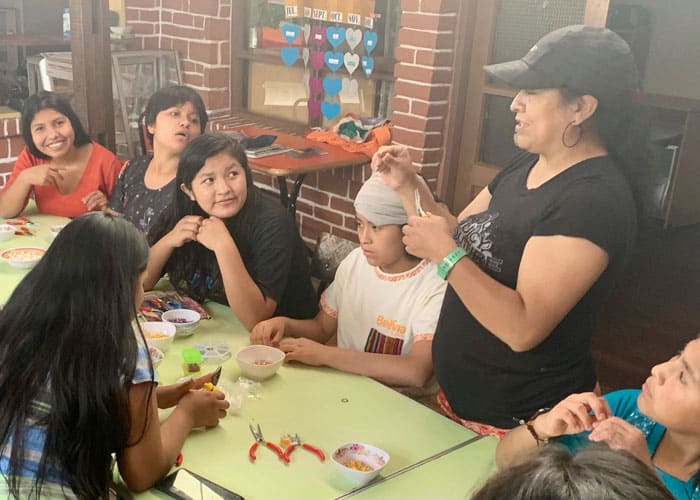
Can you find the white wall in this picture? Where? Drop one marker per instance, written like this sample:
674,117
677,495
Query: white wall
673,66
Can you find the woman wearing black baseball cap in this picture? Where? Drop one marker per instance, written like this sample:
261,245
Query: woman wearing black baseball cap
543,242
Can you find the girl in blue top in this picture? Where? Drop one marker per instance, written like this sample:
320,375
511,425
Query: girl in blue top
658,424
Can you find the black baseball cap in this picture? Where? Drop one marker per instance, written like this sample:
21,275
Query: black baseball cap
583,59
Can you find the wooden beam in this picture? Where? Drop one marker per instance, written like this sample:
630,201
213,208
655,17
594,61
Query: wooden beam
92,69
596,13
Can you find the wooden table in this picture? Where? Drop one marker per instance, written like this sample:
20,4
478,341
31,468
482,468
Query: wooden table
283,166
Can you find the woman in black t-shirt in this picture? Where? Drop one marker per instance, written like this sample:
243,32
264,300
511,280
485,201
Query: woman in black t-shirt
220,240
543,240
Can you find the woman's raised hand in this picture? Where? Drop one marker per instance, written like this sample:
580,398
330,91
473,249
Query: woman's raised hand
268,332
185,230
396,167
43,175
428,237
576,413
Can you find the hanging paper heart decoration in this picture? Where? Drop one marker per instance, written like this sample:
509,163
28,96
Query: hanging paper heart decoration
307,31
290,32
350,89
318,35
353,37
332,86
317,60
336,35
370,41
315,85
334,60
305,56
351,62
314,106
330,109
367,65
289,55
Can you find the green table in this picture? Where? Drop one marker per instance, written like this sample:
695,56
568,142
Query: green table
41,237
325,407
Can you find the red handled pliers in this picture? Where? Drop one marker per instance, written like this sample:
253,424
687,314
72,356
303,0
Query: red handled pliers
295,441
259,439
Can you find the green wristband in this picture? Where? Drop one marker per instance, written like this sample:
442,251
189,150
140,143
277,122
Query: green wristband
444,268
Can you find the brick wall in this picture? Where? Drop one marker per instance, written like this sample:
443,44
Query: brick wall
200,31
11,145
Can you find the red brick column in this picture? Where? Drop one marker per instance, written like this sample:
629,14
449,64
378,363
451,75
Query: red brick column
423,71
199,30
11,145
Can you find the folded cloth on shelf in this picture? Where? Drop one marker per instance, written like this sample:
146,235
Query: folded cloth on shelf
349,126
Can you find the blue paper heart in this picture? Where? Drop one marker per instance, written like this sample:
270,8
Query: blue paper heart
334,60
289,55
335,35
332,86
367,65
330,109
370,41
290,32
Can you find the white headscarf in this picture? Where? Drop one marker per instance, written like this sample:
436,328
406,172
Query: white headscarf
379,203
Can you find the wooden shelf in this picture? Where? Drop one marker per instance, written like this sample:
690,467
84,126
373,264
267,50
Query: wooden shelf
33,41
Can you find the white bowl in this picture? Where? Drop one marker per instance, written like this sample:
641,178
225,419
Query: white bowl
56,229
158,334
362,454
259,361
185,321
7,232
156,356
23,257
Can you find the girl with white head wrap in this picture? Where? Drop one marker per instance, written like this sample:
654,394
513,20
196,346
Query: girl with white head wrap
379,203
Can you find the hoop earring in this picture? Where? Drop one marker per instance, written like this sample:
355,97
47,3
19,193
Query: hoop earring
578,139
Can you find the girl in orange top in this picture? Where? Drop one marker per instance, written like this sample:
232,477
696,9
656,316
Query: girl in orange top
67,172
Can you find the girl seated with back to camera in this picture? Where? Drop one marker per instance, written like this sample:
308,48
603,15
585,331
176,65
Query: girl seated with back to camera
383,303
77,384
220,239
60,165
174,116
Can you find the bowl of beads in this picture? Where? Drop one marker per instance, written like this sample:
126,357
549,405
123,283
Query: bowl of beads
259,362
7,232
158,334
359,463
186,321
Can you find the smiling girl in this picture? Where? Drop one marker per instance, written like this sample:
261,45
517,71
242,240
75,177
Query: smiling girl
658,424
221,240
67,173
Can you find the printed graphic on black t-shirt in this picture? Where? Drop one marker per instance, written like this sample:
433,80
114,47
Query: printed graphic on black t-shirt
475,235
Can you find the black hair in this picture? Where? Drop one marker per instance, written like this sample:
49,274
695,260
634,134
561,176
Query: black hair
50,100
66,340
190,266
176,95
623,130
596,471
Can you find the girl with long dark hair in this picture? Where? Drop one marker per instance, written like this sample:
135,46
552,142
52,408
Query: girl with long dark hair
76,381
220,239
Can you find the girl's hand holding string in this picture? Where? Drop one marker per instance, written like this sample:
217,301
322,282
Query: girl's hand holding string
268,332
577,413
95,201
621,435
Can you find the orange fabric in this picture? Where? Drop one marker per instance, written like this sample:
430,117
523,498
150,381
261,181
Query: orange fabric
478,427
101,173
379,136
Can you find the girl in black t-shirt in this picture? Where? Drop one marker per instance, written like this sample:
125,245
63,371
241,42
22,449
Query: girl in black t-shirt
220,240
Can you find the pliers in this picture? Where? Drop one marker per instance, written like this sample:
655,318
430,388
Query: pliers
259,439
296,441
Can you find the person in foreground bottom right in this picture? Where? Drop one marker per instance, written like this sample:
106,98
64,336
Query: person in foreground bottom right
554,473
658,424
